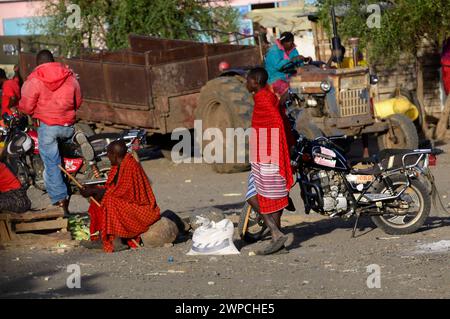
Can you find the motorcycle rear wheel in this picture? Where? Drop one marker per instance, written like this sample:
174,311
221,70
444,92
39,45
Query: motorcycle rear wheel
395,224
104,166
250,228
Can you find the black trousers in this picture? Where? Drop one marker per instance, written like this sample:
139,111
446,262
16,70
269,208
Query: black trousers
15,201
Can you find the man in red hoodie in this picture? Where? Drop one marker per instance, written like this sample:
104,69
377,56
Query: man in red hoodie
52,95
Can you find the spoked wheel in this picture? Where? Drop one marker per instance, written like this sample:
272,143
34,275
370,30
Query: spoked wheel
38,168
251,227
411,211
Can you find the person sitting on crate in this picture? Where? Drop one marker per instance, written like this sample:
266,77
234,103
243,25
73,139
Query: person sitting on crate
128,206
271,174
13,197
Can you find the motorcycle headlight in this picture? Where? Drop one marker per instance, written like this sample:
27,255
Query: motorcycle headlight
311,102
325,86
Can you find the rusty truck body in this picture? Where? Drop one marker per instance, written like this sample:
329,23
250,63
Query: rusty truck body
154,84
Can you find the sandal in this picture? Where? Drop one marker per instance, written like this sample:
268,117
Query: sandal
282,251
273,246
92,244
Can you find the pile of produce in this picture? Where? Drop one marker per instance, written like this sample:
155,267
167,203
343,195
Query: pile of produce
79,227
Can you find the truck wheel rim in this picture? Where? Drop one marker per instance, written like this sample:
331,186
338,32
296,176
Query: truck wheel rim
394,140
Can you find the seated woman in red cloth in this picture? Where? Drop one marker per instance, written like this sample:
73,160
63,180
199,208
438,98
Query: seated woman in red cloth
269,158
13,197
128,206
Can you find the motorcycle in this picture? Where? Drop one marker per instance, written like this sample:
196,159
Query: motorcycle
388,188
135,140
22,156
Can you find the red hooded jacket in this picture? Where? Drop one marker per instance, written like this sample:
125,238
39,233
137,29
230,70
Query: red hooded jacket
10,90
51,94
445,63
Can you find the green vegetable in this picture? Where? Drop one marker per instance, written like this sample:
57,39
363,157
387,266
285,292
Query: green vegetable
79,227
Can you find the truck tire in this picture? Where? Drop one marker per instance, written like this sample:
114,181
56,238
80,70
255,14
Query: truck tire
406,136
225,103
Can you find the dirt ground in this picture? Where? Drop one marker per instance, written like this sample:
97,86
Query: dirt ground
323,261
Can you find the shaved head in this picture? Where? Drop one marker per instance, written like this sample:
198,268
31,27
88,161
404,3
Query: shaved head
119,148
44,56
117,151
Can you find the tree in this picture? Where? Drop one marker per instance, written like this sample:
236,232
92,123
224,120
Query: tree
405,26
107,23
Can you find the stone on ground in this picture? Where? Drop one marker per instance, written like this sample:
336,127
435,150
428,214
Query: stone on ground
164,231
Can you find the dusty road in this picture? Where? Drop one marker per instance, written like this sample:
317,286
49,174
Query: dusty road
324,262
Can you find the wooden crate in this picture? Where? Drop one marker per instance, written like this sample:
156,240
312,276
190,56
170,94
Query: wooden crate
13,223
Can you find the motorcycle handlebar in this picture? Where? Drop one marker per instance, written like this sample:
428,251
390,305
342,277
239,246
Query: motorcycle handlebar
337,137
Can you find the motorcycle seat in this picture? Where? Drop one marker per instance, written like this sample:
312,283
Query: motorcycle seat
372,170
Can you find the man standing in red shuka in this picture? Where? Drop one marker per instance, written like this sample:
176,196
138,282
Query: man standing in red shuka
269,156
128,206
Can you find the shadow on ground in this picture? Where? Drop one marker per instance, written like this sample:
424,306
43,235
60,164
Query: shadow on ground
307,230
28,286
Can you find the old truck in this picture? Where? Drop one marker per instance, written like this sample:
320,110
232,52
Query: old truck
161,85
155,84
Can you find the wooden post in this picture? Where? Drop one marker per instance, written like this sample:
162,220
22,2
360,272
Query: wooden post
420,97
442,125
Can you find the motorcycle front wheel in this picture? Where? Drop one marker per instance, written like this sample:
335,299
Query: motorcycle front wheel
251,228
409,221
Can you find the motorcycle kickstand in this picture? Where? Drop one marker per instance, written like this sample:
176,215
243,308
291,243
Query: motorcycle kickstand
356,225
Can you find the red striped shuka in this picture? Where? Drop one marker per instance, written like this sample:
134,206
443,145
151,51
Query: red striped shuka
269,152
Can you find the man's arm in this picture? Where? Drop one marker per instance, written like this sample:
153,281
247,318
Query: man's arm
295,56
30,96
294,53
275,60
93,191
78,96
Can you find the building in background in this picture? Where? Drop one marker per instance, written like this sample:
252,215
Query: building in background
17,16
18,19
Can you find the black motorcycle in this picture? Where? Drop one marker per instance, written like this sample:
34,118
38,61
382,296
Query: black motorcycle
22,153
388,188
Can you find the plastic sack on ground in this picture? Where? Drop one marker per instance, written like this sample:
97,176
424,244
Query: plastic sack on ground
213,238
